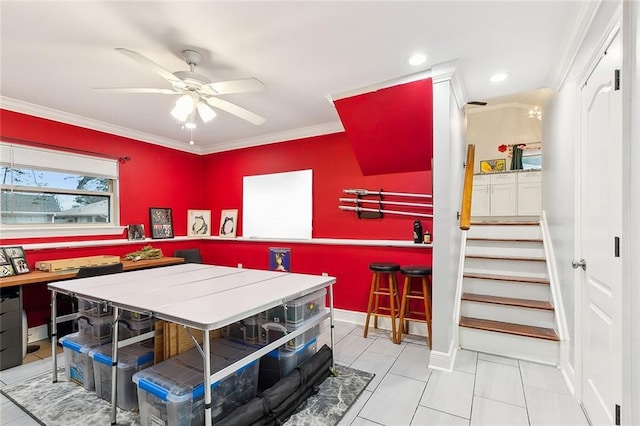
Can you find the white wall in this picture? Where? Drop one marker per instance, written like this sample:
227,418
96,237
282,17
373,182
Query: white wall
491,126
631,208
448,157
561,132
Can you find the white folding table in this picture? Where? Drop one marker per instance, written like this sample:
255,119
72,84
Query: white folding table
204,297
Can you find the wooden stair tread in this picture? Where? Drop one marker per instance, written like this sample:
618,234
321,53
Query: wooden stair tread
530,280
495,257
510,328
508,301
508,240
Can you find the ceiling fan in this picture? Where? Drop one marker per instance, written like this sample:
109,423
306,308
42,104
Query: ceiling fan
198,93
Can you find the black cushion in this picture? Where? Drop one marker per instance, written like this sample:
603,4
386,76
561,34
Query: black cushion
416,270
384,267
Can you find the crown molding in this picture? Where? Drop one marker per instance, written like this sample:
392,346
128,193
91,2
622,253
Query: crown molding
567,58
76,120
303,132
410,78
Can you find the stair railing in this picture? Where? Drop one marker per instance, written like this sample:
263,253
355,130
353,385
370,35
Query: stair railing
467,189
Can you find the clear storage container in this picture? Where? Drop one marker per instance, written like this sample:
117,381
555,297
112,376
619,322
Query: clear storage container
95,327
172,392
302,339
305,307
131,359
93,309
280,363
79,367
131,328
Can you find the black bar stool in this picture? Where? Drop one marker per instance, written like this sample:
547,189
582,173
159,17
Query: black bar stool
422,292
380,270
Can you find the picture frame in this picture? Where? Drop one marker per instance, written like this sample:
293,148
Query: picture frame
228,223
492,166
135,232
13,261
198,223
280,259
161,219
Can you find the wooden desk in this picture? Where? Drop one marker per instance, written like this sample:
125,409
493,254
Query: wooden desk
36,277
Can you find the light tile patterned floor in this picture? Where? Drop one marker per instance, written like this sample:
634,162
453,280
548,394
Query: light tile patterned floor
482,390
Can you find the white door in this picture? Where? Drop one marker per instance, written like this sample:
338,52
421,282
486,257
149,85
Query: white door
601,224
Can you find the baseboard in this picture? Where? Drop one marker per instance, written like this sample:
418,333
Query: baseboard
443,361
35,334
359,318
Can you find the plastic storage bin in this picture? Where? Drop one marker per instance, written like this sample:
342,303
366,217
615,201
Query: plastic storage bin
301,340
246,330
305,307
79,367
95,327
172,392
93,309
279,363
131,359
135,327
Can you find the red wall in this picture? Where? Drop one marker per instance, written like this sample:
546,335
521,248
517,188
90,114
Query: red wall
161,177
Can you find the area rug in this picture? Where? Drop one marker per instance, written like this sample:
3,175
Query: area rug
65,403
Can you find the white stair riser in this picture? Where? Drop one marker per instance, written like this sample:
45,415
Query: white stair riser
509,345
506,289
505,313
518,268
505,248
505,231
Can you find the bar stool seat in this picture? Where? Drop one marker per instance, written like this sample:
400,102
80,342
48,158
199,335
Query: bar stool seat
380,271
417,286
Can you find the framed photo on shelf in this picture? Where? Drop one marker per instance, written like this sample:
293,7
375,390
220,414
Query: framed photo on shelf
135,232
491,166
13,261
228,222
161,220
198,223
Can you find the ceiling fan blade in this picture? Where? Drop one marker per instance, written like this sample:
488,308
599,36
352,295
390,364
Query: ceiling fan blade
244,85
143,60
235,110
135,90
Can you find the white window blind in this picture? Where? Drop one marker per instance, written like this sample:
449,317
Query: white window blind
39,158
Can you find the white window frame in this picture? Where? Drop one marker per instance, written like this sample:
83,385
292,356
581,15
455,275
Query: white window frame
23,156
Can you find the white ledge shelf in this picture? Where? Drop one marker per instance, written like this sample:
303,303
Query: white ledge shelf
321,241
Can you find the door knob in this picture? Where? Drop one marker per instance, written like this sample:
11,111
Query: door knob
579,264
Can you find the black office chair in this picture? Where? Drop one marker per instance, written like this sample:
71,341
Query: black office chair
189,255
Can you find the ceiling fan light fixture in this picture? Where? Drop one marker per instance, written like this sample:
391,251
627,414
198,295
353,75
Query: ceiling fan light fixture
206,112
184,107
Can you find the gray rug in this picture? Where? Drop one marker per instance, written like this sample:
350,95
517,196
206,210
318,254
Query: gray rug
65,403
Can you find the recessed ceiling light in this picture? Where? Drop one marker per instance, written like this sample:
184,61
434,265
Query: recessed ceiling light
417,59
497,78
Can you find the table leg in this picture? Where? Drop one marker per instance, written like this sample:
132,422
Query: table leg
207,377
114,365
54,339
333,362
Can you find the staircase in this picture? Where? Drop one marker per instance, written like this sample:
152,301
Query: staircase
506,305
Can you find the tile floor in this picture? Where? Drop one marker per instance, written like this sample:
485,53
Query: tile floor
482,390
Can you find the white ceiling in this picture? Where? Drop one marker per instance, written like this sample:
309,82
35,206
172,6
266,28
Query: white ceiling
54,52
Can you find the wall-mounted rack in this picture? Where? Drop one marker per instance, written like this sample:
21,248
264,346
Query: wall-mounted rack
375,213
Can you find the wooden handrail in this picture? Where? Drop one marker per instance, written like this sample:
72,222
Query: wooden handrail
467,190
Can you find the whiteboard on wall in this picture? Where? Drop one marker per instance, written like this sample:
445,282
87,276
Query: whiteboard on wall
277,205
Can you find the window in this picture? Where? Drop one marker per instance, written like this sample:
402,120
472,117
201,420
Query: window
44,189
532,159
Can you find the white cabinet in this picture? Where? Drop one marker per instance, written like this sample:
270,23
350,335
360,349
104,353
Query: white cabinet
481,196
503,194
507,194
529,193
